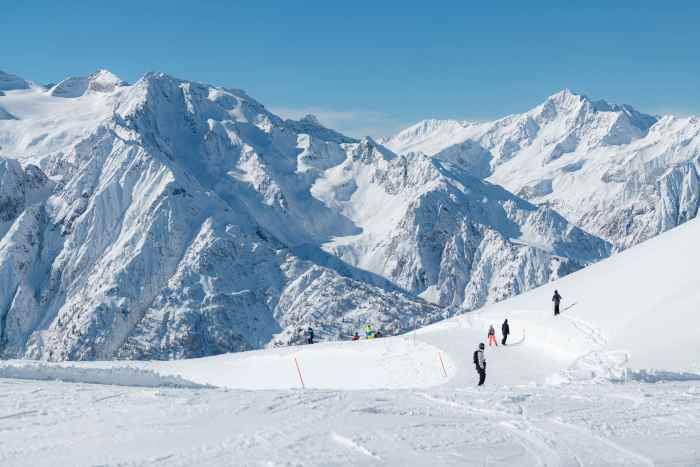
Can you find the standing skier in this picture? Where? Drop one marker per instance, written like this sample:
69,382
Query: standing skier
480,363
505,330
556,298
369,332
310,335
492,336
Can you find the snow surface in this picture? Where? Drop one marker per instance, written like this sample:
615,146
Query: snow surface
613,380
53,423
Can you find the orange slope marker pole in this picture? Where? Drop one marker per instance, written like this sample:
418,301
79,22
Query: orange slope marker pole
444,371
299,373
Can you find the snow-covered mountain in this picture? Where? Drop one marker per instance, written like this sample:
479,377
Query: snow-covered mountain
170,219
611,170
435,230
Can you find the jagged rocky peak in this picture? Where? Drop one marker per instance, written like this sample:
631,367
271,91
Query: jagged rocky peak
103,81
567,101
18,187
368,150
10,82
566,98
311,119
310,124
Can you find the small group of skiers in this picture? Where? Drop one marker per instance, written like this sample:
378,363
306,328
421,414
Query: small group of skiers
480,360
370,333
505,330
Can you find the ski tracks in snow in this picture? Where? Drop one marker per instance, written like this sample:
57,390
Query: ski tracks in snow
593,333
353,445
551,441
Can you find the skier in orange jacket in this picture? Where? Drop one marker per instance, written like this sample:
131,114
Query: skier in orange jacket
492,336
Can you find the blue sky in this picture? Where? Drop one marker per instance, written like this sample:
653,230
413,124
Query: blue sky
373,67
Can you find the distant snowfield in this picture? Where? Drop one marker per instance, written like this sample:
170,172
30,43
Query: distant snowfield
614,380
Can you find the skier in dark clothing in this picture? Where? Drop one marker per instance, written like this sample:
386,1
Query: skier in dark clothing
480,363
505,330
556,298
310,335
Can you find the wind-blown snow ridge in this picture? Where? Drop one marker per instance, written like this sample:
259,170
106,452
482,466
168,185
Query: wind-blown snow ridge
118,376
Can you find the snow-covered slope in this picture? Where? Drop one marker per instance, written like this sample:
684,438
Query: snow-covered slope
609,169
185,220
630,317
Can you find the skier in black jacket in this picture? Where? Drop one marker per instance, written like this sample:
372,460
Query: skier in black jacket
480,363
505,330
556,298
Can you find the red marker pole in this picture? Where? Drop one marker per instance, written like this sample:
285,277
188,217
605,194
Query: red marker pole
444,371
299,373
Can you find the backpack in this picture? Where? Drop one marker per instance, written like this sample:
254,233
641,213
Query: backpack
476,357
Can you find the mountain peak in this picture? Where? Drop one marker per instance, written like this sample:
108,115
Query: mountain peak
10,82
102,81
311,119
566,99
564,94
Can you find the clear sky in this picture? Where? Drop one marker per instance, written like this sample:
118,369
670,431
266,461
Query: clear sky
370,67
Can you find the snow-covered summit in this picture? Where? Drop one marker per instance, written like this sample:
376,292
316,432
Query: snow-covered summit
102,81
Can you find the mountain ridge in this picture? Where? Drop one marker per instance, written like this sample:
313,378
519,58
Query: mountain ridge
595,162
